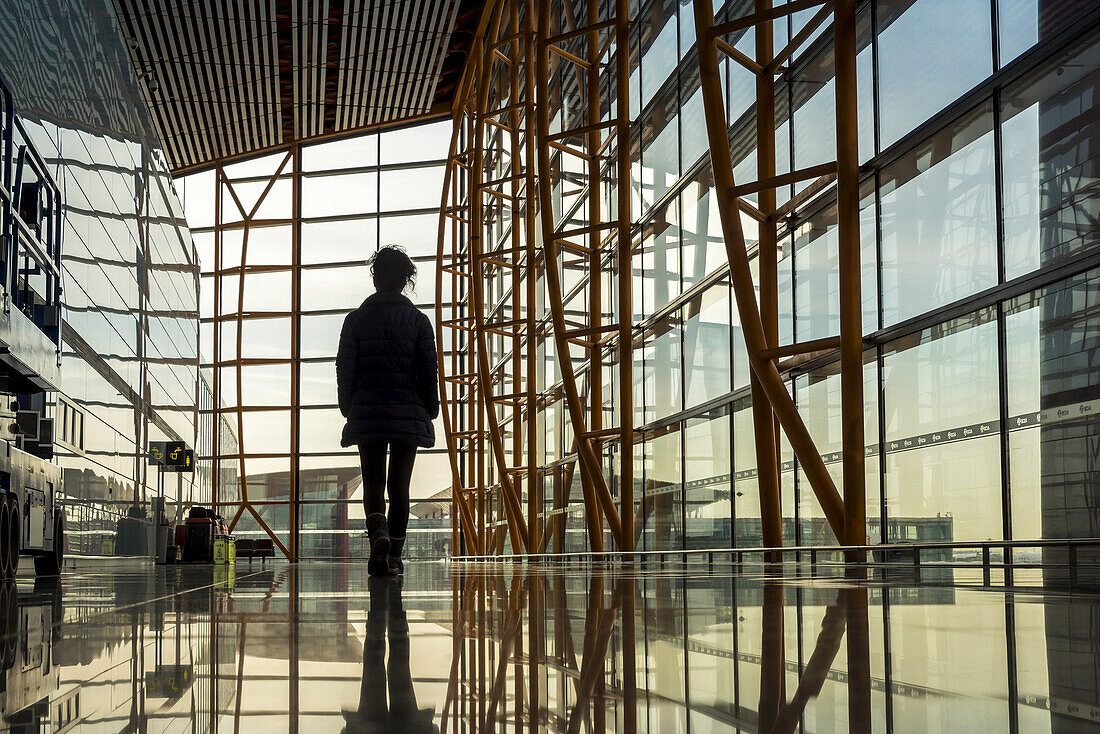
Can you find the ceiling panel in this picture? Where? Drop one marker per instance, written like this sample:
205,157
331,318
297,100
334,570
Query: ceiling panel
226,78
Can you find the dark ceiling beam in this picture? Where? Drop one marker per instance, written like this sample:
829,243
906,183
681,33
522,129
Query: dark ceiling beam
458,50
333,55
285,43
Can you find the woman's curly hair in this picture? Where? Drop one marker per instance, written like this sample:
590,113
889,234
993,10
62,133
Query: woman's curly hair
392,269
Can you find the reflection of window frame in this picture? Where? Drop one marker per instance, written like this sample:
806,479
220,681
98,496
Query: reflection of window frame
70,419
906,180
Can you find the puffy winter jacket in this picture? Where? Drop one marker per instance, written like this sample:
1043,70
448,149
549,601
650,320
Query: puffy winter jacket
386,373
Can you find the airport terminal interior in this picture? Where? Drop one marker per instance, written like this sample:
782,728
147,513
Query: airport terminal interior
767,395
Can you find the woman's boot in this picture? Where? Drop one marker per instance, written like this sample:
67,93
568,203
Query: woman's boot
379,538
396,567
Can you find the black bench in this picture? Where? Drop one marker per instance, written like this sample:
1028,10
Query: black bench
262,549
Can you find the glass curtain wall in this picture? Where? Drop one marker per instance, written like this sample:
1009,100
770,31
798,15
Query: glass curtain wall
129,362
977,147
299,224
977,152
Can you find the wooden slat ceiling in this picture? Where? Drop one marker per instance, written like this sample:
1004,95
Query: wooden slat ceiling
225,78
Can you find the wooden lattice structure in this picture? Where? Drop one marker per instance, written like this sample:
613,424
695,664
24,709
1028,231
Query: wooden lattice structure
538,206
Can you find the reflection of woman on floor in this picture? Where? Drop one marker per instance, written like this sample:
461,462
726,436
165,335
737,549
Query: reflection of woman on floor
386,619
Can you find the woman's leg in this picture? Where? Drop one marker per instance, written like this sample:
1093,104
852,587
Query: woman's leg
372,459
401,466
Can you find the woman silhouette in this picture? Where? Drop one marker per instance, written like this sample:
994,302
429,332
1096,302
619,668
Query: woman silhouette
386,383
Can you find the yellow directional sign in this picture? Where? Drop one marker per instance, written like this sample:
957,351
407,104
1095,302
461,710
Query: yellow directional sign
171,456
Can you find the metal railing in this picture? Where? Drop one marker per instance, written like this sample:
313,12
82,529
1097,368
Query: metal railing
907,555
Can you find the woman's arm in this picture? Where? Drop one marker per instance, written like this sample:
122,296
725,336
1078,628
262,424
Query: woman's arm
346,363
429,369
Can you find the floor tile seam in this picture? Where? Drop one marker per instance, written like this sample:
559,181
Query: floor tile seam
155,599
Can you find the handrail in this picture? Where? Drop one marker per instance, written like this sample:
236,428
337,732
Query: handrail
857,551
34,247
36,159
40,244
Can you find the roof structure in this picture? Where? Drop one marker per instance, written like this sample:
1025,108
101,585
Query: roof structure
225,78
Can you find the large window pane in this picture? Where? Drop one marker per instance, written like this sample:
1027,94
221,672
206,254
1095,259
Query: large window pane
275,203
268,291
198,192
206,297
262,339
321,335
266,432
785,287
1052,348
1049,134
662,524
660,150
351,153
349,193
701,228
414,188
317,383
693,139
1023,23
266,246
329,288
746,489
206,342
320,430
263,385
943,475
204,248
707,345
939,231
661,370
264,165
263,291
817,274
417,143
658,45
431,472
708,505
351,240
814,126
818,395
660,260
930,52
417,233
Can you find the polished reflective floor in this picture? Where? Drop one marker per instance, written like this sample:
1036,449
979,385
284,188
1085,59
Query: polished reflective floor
462,647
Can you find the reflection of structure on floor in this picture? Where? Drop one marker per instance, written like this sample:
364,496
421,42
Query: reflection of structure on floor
134,646
28,655
581,647
331,520
605,677
554,644
116,651
132,651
